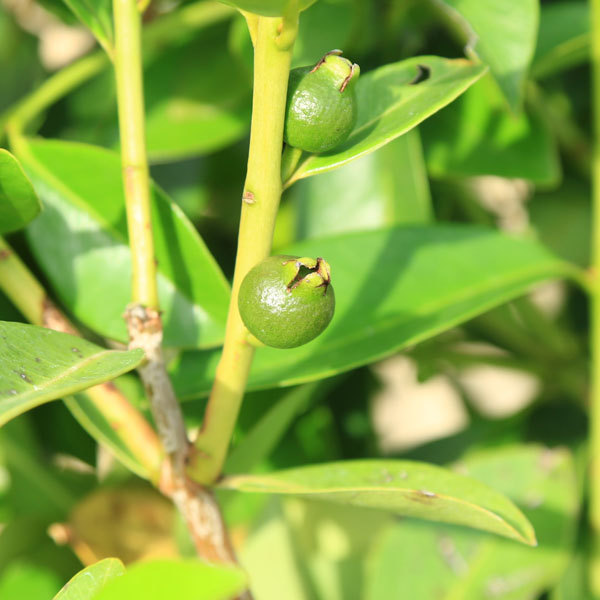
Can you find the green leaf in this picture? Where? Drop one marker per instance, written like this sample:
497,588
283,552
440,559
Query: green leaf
387,187
184,579
260,441
38,365
89,581
189,110
465,565
406,488
18,202
390,104
35,489
477,135
96,15
267,8
192,111
564,37
28,581
81,242
272,559
391,293
99,426
562,221
502,33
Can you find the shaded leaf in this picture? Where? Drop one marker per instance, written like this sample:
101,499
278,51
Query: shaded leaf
160,579
89,581
446,563
562,221
390,104
263,437
38,365
88,414
387,187
81,242
477,135
18,201
394,287
563,39
406,488
503,34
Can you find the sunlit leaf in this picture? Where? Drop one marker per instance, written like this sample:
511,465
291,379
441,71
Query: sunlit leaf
390,293
406,488
392,100
446,563
81,242
160,579
89,581
502,33
18,201
38,365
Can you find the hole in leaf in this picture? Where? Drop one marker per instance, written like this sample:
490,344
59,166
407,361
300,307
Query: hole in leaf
423,74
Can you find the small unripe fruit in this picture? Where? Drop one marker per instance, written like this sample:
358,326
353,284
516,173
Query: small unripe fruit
321,104
287,301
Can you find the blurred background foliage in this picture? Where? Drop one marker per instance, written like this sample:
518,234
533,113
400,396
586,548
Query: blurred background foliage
504,395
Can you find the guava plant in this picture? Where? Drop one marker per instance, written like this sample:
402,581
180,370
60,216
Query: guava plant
179,204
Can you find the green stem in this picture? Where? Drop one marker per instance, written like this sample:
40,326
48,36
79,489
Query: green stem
260,201
136,173
594,442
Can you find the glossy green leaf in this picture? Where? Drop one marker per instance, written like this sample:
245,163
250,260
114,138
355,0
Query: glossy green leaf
18,201
406,488
184,579
563,39
387,187
477,135
81,242
502,33
38,365
393,288
268,8
465,565
89,581
390,103
96,15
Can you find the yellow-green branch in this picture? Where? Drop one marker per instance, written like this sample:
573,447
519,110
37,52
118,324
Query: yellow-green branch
274,39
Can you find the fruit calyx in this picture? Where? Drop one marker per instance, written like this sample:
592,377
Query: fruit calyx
341,68
309,272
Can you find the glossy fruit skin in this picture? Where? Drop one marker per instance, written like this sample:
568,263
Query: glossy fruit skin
287,301
321,105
